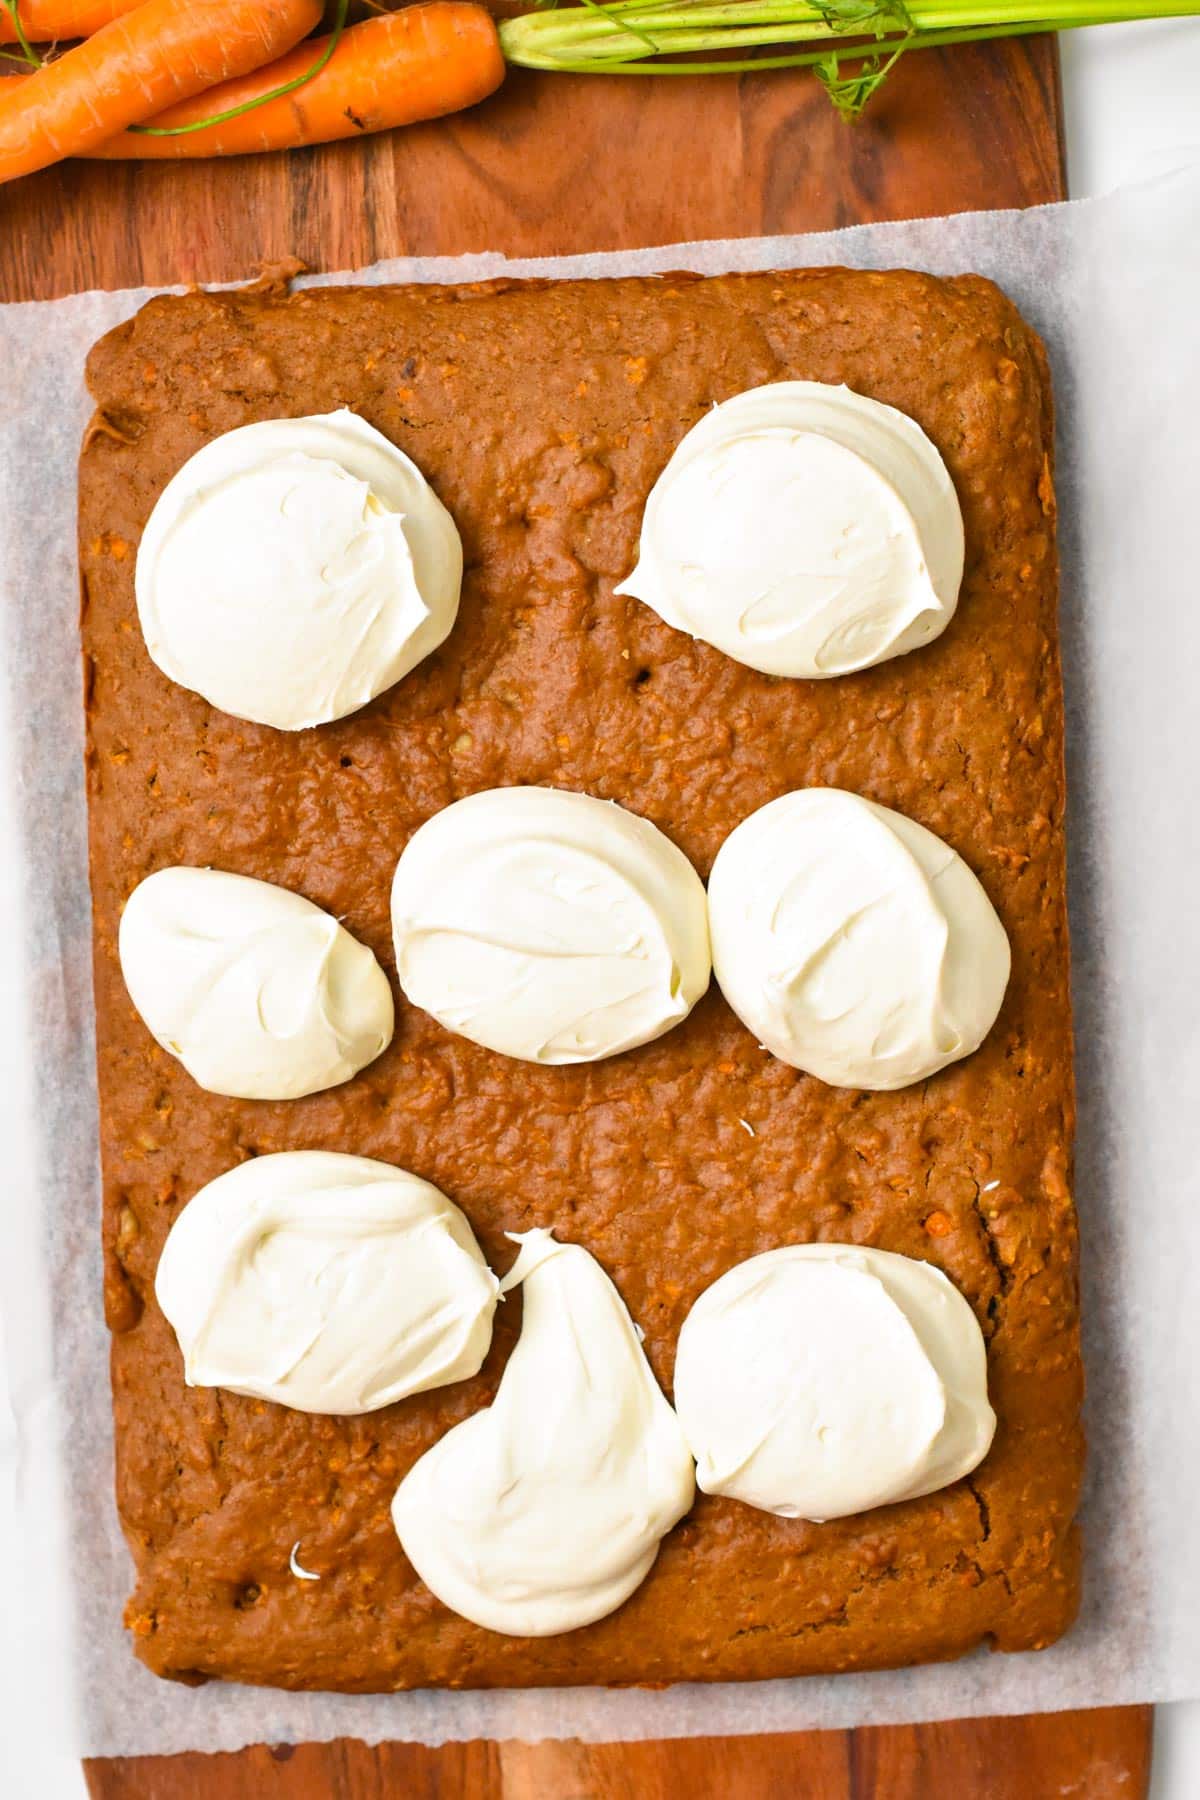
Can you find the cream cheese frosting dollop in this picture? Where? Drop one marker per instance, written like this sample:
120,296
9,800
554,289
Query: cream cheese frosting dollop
295,568
549,925
328,1283
818,1380
545,1511
804,530
853,942
259,993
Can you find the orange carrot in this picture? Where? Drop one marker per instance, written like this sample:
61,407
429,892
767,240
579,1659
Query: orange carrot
397,68
161,52
53,21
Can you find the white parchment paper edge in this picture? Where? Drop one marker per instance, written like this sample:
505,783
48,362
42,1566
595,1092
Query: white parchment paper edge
1112,285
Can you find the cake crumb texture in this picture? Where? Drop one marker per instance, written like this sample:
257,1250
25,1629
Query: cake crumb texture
542,414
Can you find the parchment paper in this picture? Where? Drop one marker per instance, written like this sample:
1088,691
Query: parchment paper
1113,285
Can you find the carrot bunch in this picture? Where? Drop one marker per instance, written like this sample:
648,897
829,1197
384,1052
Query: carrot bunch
187,78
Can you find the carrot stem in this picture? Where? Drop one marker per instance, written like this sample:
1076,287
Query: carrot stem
701,37
603,35
28,53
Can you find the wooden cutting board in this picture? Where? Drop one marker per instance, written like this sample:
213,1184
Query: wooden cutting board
552,165
559,163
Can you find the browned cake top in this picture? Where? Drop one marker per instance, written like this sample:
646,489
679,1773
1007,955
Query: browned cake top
542,415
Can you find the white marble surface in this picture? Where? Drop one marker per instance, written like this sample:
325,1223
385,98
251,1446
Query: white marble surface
1131,107
1132,102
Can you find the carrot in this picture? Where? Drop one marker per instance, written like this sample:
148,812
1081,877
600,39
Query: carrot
397,68
161,52
53,21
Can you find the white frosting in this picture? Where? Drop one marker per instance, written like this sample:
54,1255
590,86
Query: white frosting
297,1568
293,569
855,944
328,1283
545,1511
259,993
549,925
804,530
821,1379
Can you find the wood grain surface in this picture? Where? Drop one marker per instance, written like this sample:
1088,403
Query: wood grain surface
548,166
559,163
1103,1755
